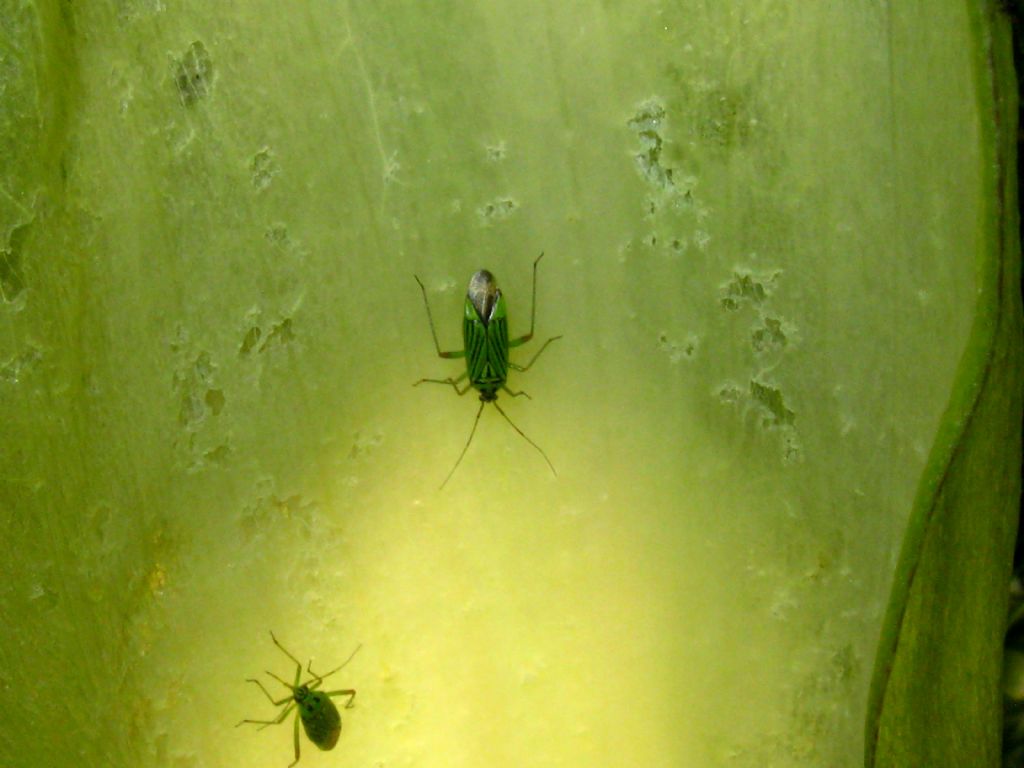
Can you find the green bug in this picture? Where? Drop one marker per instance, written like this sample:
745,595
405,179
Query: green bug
485,347
320,718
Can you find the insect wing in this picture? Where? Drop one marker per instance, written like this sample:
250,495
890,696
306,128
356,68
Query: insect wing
486,347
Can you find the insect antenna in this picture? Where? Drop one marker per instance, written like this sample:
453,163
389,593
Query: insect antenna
466,446
522,434
309,667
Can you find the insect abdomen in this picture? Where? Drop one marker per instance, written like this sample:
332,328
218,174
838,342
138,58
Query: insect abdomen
321,720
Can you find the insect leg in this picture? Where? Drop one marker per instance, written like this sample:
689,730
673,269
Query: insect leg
449,380
282,682
349,692
533,307
267,693
430,319
520,393
298,672
466,446
276,721
523,435
534,358
296,740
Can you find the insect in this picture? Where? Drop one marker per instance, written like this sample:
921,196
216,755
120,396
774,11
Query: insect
320,718
485,347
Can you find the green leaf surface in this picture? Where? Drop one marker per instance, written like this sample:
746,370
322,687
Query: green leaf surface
935,697
779,248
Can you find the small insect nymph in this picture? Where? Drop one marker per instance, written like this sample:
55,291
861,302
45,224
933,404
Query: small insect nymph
319,716
485,347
